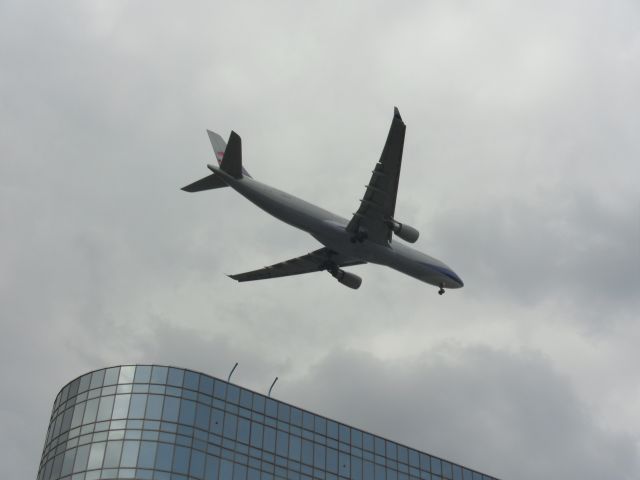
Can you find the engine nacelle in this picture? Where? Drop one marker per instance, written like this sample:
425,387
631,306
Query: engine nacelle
349,279
405,232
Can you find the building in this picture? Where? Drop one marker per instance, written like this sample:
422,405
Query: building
157,422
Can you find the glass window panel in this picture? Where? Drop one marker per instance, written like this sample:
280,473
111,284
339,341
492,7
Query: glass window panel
321,425
332,429
436,465
367,441
246,398
307,452
243,430
66,420
392,474
269,443
220,390
73,388
159,375
283,412
356,438
187,412
217,421
181,459
96,455
332,460
126,374
477,476
196,467
230,421
380,473
294,447
258,403
425,462
344,464
466,474
85,381
91,410
154,407
57,466
282,443
256,435
239,472
121,406
319,456
202,416
78,413
457,472
82,456
446,470
147,454
175,377
105,408
191,380
253,474
138,402
112,454
129,453
211,471
296,416
367,470
226,469
379,445
170,409
164,456
67,464
233,394
403,455
111,376
271,408
206,385
392,451
96,379
143,374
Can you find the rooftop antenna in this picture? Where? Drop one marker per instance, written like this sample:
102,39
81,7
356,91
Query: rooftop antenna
231,372
271,388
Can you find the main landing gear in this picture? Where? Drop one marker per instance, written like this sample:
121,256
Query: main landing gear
441,291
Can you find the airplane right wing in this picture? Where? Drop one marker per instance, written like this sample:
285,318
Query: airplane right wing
322,259
373,218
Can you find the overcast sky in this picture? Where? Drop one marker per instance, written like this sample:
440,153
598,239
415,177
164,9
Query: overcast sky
521,170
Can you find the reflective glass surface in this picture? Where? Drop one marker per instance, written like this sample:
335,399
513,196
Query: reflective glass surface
165,423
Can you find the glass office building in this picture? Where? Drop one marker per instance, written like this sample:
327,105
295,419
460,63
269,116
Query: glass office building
157,422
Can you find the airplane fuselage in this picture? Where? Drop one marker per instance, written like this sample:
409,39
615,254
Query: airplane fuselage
330,230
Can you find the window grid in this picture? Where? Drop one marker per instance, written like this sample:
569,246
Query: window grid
166,423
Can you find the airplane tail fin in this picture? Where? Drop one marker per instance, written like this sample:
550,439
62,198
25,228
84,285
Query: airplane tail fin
231,163
233,157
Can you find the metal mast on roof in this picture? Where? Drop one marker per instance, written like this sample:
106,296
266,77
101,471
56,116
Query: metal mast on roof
231,372
271,388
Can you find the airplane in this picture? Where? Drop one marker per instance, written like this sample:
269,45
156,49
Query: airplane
368,237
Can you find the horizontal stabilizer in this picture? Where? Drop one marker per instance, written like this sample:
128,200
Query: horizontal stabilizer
206,183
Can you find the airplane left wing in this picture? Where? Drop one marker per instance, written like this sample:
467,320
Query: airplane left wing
322,259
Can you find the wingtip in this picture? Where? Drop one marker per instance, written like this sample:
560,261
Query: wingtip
396,113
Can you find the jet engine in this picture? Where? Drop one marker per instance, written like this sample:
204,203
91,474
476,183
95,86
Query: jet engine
405,232
349,279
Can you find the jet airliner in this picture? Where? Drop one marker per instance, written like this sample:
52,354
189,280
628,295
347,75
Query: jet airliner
368,237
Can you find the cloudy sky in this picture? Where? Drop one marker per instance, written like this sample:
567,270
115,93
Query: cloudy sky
520,170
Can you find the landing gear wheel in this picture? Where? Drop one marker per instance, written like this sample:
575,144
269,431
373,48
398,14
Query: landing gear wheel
441,291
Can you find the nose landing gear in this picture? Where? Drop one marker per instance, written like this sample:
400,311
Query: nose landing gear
441,291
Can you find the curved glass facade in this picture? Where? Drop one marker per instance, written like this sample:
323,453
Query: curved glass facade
157,422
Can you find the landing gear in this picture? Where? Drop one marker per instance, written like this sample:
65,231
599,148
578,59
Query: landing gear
441,291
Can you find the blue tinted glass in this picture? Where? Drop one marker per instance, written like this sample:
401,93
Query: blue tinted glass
243,430
202,416
425,462
321,425
91,410
187,412
296,416
196,467
84,383
344,434
206,385
379,445
246,398
294,447
446,470
380,473
211,472
356,468
283,412
226,470
269,443
457,472
126,374
147,454
82,455
367,441
307,420
230,421
129,453
121,406
143,374
253,474
391,450
414,459
191,380
164,456
367,470
332,460
239,472
233,394
175,377
105,408
159,375
170,409
282,443
272,408
256,435
392,474
258,403
332,429
67,464
217,419
96,379
137,404
477,476
96,455
344,464
318,456
356,438
403,455
466,474
181,459
220,390
435,465
154,407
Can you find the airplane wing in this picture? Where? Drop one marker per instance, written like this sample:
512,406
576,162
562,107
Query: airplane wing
322,259
377,207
